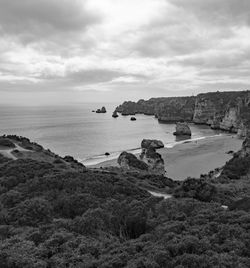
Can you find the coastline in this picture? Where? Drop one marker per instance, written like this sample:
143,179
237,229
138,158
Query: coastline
191,158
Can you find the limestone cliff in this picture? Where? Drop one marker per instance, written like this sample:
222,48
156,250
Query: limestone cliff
171,109
220,110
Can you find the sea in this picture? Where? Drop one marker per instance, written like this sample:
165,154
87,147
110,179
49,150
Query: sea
78,131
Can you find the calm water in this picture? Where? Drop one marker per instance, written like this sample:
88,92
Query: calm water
77,131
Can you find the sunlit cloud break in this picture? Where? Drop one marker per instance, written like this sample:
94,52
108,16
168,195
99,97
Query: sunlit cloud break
82,48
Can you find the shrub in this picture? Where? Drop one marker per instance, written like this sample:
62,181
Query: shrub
6,143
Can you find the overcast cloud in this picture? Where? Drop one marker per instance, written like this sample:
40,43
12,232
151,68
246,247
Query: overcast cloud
112,50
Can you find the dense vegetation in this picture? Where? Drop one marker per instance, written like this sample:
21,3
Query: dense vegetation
6,143
53,217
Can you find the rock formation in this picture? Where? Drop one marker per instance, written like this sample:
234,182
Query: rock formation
151,157
230,121
149,160
101,111
133,118
242,130
182,129
156,144
128,161
115,114
245,151
153,160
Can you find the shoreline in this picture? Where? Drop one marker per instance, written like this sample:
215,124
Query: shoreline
191,158
99,159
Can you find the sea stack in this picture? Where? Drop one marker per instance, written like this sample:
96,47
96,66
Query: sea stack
182,129
156,144
115,114
151,157
101,111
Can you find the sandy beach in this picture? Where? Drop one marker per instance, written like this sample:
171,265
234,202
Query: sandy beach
193,158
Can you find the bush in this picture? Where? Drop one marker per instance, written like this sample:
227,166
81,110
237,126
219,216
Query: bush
236,167
6,143
31,212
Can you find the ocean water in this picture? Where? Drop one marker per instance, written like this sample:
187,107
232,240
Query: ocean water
75,130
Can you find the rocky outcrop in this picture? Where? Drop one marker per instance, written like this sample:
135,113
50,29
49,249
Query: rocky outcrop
242,130
151,157
153,160
101,111
155,144
133,118
128,161
245,151
115,114
182,129
149,160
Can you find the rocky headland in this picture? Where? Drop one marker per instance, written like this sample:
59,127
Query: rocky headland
220,110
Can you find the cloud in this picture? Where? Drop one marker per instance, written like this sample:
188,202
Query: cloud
220,12
158,47
32,20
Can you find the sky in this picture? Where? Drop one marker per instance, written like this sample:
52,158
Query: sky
76,51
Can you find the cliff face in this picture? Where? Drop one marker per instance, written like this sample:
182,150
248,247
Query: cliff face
220,110
176,109
171,109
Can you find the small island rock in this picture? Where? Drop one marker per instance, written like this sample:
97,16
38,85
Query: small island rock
115,114
101,111
133,118
156,144
182,129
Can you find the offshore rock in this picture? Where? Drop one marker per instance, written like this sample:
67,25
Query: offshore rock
133,118
156,144
101,111
128,161
182,129
115,114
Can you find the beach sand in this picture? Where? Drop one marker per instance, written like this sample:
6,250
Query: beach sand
193,158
